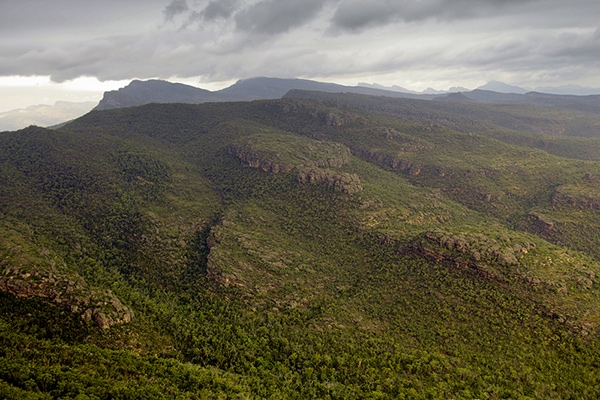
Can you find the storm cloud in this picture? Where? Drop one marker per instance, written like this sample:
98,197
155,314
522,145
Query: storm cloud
356,15
412,43
219,9
174,8
277,16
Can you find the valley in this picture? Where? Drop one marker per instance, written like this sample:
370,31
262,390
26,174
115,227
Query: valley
321,245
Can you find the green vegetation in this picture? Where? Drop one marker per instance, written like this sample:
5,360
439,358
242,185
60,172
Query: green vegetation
334,246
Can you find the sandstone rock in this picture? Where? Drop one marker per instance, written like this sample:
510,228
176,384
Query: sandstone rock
70,292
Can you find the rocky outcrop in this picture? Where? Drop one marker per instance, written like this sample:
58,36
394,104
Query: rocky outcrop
542,224
101,307
255,160
395,163
576,198
477,252
314,161
339,181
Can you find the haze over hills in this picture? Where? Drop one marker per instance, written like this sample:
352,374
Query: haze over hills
320,245
156,91
499,87
43,114
573,90
397,88
144,92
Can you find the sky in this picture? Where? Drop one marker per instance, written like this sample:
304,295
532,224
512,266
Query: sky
74,50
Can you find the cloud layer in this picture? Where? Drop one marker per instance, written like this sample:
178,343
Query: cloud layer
418,42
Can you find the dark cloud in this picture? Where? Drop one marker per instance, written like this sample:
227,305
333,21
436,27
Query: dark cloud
355,15
219,9
574,48
277,16
175,8
222,40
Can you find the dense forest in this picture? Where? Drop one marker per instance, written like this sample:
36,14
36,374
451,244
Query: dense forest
331,246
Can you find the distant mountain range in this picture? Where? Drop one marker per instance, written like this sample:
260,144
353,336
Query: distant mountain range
156,91
261,88
495,86
428,91
589,103
571,90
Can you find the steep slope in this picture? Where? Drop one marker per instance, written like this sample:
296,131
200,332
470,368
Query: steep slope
298,248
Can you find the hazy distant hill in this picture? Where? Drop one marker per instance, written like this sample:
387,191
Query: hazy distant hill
500,87
574,90
428,91
275,88
43,115
589,103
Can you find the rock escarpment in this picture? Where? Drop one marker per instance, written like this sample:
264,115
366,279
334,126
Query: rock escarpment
577,197
314,161
101,307
25,274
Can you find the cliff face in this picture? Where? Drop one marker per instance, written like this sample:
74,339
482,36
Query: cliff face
340,181
314,161
509,260
577,196
102,307
255,160
395,163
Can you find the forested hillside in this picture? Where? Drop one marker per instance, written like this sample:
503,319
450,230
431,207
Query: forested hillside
318,246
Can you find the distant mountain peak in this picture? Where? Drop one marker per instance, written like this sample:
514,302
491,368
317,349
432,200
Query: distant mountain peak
500,87
454,97
140,92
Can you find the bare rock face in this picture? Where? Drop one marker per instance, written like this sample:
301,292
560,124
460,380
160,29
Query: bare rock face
339,181
542,224
395,163
68,290
479,252
577,197
314,161
254,160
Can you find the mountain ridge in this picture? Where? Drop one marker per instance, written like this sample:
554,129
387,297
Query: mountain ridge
140,92
143,92
260,88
